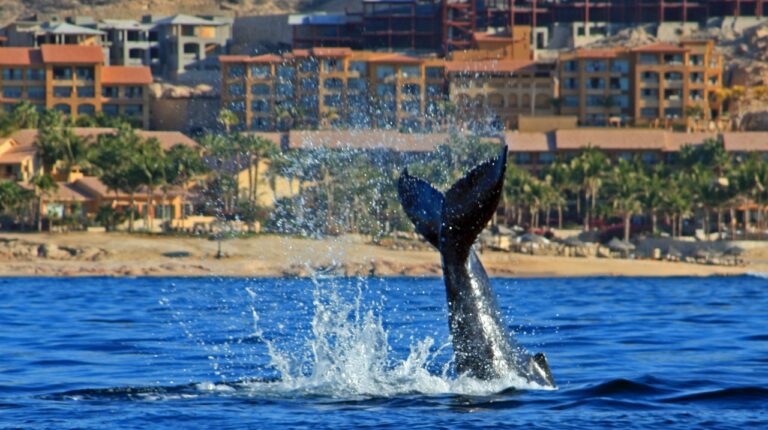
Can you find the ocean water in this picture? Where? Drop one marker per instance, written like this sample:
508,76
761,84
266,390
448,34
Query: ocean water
221,353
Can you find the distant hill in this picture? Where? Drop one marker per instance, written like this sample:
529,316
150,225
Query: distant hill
11,10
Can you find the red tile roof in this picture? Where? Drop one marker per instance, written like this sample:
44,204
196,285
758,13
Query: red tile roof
597,53
395,58
611,139
746,141
20,56
72,54
126,75
488,66
529,142
659,47
331,52
167,139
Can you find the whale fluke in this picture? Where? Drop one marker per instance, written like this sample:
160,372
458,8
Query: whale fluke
423,204
469,205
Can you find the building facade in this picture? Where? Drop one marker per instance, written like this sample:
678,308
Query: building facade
334,87
178,47
494,94
73,80
654,84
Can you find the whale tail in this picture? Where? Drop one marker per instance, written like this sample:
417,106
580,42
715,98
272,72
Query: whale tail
538,370
469,204
451,222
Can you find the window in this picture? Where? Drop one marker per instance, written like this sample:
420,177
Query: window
333,84
235,72
260,106
435,90
571,101
673,76
86,92
411,89
35,74
132,35
673,94
133,110
649,157
673,59
696,60
110,109
261,71
650,93
62,92
286,73
571,66
546,158
308,84
37,93
261,123
620,84
358,66
697,78
410,71
110,91
308,66
411,106
133,92
696,95
62,73
650,77
649,112
649,59
595,66
621,101
384,72
523,158
357,84
673,113
236,106
332,100
63,108
595,83
12,74
620,66
12,92
333,65
435,72
236,90
85,73
385,90
570,83
309,102
284,90
86,109
260,90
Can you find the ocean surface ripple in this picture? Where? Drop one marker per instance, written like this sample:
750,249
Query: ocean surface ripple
150,353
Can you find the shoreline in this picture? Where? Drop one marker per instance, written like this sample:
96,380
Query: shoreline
270,256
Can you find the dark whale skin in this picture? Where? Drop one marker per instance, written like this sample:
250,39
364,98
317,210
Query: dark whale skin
482,347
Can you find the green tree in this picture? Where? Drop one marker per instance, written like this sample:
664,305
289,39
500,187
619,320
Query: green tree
588,170
44,184
624,185
183,164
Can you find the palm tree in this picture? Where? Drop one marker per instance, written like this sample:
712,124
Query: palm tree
44,184
13,197
624,190
24,115
253,149
228,119
654,188
558,175
182,165
588,170
150,166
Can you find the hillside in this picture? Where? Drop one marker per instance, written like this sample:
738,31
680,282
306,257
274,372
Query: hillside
13,9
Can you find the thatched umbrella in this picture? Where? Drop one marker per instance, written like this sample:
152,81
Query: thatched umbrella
533,238
622,246
574,241
674,254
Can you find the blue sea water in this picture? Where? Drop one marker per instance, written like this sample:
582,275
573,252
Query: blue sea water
151,353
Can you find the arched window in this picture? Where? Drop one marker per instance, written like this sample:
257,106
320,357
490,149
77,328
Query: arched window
495,100
512,102
63,108
542,101
86,109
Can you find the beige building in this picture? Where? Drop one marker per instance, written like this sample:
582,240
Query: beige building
496,93
659,84
73,80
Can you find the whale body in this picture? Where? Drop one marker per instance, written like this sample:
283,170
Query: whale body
451,222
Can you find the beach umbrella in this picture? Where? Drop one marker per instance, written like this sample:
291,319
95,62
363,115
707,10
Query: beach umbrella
574,241
620,245
533,238
674,253
734,251
705,253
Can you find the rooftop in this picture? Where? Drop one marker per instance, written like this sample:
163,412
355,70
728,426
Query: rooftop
26,138
72,54
487,66
20,56
126,75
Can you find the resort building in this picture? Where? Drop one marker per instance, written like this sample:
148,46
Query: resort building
654,84
332,87
86,194
74,80
495,93
178,47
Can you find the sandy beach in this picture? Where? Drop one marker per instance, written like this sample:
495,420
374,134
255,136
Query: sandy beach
118,254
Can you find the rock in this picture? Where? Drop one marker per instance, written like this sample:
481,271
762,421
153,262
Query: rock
53,252
755,121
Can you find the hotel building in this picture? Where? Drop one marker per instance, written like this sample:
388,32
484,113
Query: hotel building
74,80
644,85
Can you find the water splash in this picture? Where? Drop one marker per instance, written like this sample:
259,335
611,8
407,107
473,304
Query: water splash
351,356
